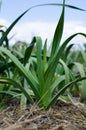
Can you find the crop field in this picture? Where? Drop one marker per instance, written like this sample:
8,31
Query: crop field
41,87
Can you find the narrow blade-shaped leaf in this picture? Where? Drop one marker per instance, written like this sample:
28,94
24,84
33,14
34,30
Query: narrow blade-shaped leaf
31,80
67,52
53,63
81,70
29,50
39,62
12,82
63,90
66,5
58,34
45,57
67,73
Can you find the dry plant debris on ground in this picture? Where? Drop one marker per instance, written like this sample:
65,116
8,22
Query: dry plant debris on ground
62,116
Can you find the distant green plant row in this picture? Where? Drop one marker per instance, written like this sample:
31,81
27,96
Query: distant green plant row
35,75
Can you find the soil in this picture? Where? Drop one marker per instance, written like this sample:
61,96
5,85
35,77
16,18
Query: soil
62,116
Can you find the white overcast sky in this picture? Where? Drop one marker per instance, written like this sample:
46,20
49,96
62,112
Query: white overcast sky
42,21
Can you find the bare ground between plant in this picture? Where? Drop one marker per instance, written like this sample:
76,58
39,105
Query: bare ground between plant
62,116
